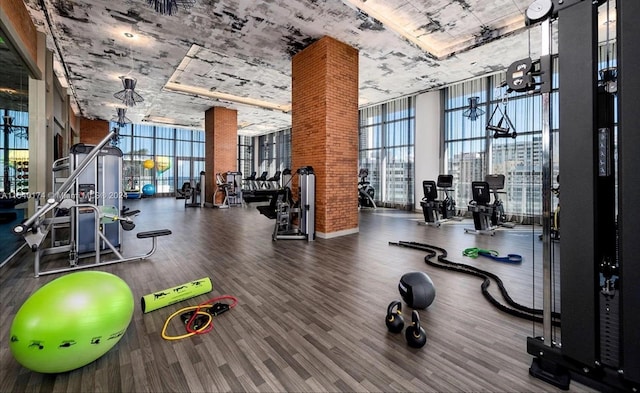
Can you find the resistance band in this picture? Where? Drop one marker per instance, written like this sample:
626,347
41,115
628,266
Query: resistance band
474,252
200,317
511,308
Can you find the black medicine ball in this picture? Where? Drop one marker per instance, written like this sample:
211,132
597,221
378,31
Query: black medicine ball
417,290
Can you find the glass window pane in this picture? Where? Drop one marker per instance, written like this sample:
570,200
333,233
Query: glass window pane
465,160
198,150
164,147
183,134
143,146
126,130
142,130
125,144
183,148
164,174
386,150
164,132
198,136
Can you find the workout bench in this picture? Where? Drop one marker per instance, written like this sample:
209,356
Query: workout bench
141,235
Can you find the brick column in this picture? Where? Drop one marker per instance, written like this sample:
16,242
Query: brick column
221,146
325,130
93,131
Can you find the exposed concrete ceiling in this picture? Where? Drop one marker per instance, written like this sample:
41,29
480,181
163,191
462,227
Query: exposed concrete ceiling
237,53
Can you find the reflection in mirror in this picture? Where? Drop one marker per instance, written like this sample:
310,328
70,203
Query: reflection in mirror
14,146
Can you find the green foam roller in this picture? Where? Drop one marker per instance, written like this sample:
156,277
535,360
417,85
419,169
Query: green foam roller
169,296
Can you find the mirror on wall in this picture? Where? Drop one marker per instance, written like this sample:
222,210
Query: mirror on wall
14,146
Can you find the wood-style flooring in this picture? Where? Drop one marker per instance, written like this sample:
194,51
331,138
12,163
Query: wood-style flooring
310,315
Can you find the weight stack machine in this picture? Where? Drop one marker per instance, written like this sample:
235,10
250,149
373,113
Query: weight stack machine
600,263
100,184
303,210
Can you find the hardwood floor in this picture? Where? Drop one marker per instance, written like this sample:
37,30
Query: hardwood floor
310,315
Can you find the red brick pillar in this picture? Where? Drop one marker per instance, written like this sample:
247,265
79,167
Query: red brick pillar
93,131
221,146
325,130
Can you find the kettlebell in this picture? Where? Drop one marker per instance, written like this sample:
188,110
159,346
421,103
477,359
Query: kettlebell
415,334
394,320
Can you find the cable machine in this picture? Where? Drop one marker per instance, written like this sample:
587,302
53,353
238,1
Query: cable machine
295,219
600,267
86,202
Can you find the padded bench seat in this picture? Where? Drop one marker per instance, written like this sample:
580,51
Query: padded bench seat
156,233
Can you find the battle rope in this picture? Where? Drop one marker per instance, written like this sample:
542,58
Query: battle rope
199,319
442,262
474,252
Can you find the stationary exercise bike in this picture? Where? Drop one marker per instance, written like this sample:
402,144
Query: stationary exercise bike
432,207
487,215
366,192
448,204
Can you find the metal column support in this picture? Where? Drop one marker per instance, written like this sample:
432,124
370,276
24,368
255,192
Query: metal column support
547,146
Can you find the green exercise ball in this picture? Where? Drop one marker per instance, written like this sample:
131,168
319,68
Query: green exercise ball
71,321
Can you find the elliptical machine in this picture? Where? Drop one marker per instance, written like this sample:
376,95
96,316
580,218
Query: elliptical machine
366,192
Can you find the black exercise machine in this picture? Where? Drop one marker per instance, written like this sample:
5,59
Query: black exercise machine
438,211
260,181
227,185
194,196
262,187
366,192
496,184
185,191
600,161
287,211
487,215
273,183
430,203
249,181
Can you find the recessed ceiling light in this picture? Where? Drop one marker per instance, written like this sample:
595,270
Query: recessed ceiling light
128,35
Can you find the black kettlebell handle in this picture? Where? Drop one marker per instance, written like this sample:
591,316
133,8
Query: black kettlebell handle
394,320
392,305
415,323
415,335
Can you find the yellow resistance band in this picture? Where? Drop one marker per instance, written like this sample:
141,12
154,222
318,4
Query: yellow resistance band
206,325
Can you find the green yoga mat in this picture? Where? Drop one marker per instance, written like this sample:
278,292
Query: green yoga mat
169,296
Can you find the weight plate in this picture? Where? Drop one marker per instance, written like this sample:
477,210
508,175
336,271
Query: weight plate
538,10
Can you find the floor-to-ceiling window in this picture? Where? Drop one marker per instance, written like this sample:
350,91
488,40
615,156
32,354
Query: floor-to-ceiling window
177,155
14,152
245,155
274,152
471,151
387,139
465,141
165,160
